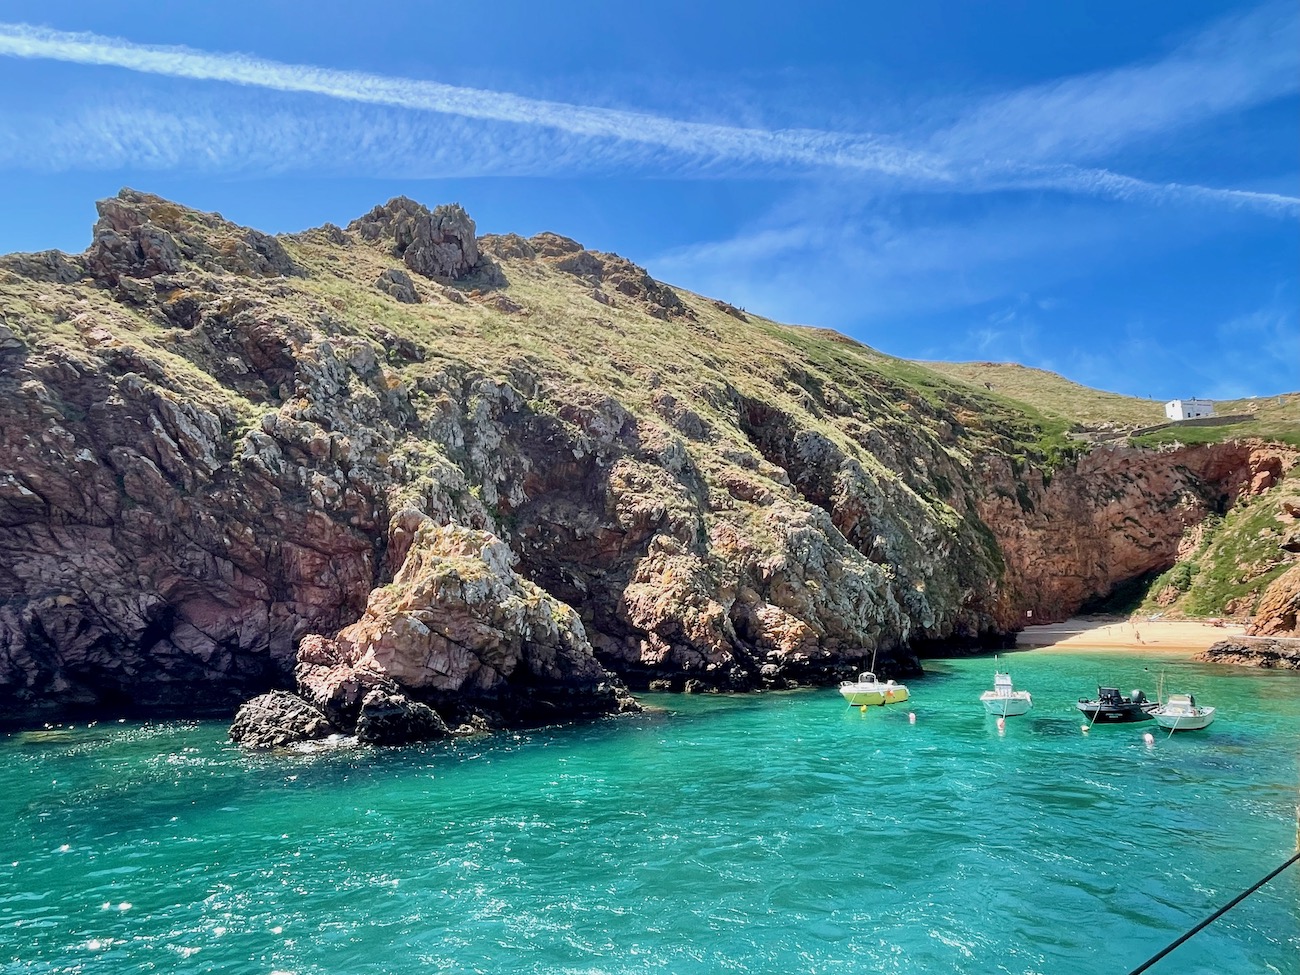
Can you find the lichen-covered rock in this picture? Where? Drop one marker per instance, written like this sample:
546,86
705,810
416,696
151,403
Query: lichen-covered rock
457,623
202,467
276,720
438,243
398,286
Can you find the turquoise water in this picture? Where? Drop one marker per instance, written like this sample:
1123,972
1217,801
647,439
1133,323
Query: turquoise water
765,833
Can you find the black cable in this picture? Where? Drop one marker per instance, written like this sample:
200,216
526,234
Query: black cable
1214,917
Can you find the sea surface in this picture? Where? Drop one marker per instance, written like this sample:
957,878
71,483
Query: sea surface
777,832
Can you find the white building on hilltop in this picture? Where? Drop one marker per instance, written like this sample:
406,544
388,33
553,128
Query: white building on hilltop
1188,409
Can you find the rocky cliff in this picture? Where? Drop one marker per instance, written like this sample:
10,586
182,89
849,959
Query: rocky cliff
215,443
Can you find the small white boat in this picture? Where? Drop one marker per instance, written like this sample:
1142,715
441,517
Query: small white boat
868,691
1181,713
1004,700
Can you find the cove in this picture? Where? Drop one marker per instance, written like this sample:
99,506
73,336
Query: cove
774,832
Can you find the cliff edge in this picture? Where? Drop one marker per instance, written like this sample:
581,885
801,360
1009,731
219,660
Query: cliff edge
216,444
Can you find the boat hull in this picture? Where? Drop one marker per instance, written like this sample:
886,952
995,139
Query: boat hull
1016,704
1112,713
860,696
1184,722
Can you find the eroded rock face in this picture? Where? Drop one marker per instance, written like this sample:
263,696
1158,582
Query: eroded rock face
456,629
1278,613
218,476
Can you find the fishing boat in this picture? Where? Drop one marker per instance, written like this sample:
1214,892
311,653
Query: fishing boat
869,691
1112,707
1004,700
1181,713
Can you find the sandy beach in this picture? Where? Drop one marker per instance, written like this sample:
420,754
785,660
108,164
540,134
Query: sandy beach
1139,634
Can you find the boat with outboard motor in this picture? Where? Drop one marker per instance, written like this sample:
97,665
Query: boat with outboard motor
1004,700
870,691
1180,712
1112,707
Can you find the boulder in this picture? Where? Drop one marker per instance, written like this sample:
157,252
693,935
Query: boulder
392,718
397,284
276,720
458,622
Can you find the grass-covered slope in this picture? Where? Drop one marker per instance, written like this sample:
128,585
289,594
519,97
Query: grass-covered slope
1271,417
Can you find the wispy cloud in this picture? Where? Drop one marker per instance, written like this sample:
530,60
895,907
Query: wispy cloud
1236,63
1023,140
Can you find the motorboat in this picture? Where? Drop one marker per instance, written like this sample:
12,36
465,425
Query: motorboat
869,691
1004,700
1112,707
1180,712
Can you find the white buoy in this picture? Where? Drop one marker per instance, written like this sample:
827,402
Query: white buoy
1002,724
1083,728
1149,738
911,717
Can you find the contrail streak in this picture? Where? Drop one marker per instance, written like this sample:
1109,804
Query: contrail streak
795,145
806,147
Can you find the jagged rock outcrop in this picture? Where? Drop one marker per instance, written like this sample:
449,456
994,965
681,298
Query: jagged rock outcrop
438,243
219,452
457,628
140,235
612,278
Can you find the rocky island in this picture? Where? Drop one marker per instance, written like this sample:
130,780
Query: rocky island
397,479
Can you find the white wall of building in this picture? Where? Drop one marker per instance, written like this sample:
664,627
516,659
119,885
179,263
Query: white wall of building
1188,409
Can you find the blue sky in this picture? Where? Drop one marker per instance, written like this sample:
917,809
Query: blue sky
1108,190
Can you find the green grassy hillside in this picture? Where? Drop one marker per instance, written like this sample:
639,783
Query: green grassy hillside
1273,417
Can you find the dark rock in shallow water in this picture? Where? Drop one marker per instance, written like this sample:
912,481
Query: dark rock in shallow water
1250,651
276,720
392,718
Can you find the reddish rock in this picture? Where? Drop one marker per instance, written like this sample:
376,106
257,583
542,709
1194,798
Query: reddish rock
1278,612
202,466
